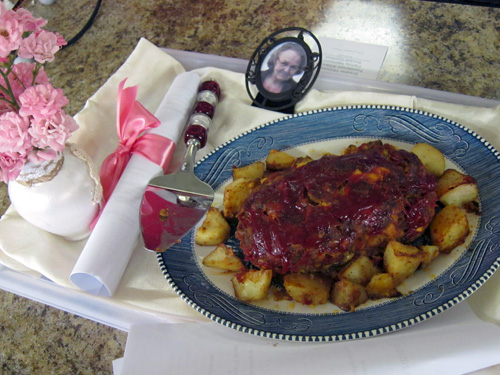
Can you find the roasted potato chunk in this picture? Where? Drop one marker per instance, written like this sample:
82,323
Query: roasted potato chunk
429,253
431,158
223,258
235,194
359,270
279,160
456,188
449,228
214,229
382,286
252,285
450,179
460,195
251,172
308,289
348,295
401,260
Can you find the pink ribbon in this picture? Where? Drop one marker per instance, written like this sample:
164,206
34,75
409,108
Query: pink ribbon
132,121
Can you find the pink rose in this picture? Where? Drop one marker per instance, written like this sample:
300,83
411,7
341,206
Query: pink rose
52,132
60,40
29,22
41,45
23,73
11,165
14,137
41,101
11,34
21,77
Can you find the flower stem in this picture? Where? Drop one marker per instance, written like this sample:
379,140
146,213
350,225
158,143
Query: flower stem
8,101
35,72
8,89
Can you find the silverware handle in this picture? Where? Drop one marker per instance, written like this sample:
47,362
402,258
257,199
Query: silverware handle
199,122
193,145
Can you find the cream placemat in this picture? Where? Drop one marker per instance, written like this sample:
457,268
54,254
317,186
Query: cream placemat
30,250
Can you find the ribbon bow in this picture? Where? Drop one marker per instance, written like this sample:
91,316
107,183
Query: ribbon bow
132,121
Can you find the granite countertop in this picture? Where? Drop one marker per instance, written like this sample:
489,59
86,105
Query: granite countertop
440,46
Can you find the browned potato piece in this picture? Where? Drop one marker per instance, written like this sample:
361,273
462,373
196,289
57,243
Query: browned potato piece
252,285
359,270
213,230
235,194
431,158
382,286
278,160
251,172
401,260
449,228
456,188
308,289
348,295
223,257
450,179
460,195
429,253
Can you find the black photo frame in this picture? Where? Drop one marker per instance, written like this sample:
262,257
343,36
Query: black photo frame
283,68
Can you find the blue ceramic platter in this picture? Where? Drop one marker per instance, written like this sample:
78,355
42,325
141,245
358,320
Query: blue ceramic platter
450,279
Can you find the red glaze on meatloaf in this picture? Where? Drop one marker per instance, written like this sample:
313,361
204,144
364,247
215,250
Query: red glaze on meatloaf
321,214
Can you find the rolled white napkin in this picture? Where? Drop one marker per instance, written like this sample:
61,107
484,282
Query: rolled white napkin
108,250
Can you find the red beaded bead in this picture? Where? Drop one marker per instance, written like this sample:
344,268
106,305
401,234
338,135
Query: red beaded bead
206,108
198,132
210,85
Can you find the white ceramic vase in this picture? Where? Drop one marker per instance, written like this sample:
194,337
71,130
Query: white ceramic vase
61,196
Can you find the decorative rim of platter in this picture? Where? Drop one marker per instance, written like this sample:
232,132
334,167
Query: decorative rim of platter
484,260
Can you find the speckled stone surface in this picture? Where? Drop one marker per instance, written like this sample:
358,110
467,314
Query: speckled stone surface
446,47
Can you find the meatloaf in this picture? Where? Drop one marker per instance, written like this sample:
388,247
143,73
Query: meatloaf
317,216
